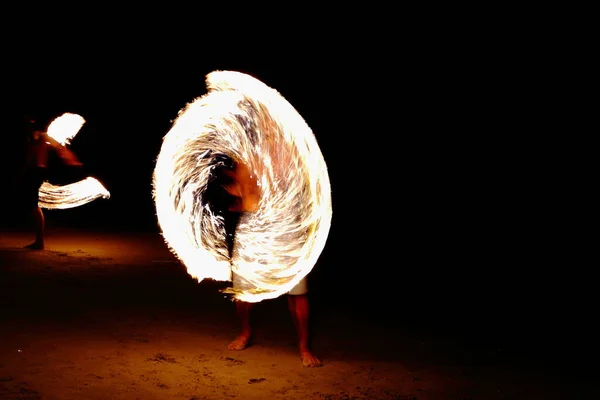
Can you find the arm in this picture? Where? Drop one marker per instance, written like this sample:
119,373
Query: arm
66,155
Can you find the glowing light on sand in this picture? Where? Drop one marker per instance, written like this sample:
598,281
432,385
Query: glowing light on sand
63,129
243,119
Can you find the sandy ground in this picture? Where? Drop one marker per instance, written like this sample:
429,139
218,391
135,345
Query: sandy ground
113,315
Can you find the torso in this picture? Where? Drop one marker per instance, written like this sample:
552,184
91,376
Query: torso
37,152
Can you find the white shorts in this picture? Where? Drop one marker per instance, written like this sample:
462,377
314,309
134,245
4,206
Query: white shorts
300,288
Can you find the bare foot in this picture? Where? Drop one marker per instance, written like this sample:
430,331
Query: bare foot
239,343
309,359
35,246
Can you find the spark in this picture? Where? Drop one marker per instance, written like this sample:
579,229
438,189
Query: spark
242,119
72,194
65,127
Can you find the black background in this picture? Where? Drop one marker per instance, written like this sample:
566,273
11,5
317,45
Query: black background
441,204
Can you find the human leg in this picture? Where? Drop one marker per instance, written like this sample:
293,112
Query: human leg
33,184
40,224
242,308
242,341
298,305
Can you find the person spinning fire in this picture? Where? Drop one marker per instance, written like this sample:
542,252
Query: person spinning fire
38,145
245,192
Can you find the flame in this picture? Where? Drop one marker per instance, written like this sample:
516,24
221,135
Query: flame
63,129
71,195
243,119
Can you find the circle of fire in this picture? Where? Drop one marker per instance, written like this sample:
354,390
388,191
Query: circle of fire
242,119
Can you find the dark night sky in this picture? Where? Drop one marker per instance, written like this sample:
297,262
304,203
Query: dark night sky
428,186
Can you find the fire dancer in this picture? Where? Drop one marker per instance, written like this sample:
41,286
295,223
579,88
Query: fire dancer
38,146
243,187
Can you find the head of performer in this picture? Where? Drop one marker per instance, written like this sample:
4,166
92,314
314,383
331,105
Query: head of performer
240,183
